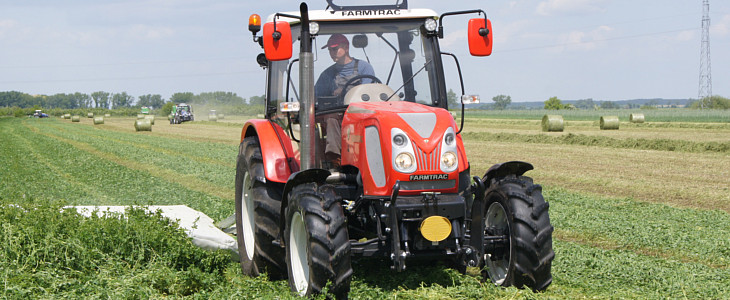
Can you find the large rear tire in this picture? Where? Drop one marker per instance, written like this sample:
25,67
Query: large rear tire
257,214
514,206
317,242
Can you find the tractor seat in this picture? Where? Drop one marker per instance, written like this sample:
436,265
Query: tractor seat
371,92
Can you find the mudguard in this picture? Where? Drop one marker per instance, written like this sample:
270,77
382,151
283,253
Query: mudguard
479,189
276,149
506,168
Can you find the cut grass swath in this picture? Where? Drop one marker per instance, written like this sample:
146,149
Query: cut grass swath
553,123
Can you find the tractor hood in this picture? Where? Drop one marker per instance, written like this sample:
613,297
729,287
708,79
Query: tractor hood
368,131
422,123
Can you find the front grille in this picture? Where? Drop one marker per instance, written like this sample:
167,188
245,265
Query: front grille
428,161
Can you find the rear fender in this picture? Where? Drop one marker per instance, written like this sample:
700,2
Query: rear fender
506,168
306,176
276,149
479,189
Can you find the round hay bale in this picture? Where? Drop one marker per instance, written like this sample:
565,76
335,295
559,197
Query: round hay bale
98,120
221,116
107,115
143,125
67,116
636,118
63,116
212,118
75,119
140,116
609,123
90,115
552,123
151,118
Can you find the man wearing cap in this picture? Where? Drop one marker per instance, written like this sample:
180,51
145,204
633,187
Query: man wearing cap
332,81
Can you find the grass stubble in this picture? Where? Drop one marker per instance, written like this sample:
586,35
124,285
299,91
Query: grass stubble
629,223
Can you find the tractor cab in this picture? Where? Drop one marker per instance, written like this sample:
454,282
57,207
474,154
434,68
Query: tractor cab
361,58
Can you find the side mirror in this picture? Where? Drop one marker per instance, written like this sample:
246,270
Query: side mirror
480,37
277,43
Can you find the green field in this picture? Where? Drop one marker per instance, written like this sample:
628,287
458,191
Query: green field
642,212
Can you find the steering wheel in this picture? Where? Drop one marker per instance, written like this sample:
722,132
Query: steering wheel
352,80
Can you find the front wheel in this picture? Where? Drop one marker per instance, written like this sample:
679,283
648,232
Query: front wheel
515,210
257,214
317,242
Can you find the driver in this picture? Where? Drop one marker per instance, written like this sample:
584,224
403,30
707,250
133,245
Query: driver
332,81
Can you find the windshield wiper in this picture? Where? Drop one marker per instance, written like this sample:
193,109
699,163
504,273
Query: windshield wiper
409,80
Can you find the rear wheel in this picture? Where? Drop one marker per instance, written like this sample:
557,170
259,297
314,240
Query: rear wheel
257,214
514,208
317,243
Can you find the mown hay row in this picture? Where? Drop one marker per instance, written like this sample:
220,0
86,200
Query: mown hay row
602,141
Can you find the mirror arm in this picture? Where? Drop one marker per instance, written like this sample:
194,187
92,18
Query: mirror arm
482,31
277,35
461,81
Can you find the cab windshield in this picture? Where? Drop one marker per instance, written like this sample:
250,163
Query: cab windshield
395,53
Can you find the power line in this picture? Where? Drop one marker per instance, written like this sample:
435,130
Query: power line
124,63
122,78
594,41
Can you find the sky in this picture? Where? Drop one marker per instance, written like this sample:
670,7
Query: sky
570,49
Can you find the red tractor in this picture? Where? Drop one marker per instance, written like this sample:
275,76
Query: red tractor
364,159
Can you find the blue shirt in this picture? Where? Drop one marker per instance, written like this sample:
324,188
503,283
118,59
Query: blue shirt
326,85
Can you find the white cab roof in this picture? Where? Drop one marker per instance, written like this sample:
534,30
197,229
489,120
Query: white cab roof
362,14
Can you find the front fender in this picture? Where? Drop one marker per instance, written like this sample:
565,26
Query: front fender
276,149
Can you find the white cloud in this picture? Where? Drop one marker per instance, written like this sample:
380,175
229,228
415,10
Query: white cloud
721,28
150,32
453,38
686,35
6,26
583,40
569,7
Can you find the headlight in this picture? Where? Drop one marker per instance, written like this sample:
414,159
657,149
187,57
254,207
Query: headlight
430,25
449,160
313,28
404,161
399,140
449,139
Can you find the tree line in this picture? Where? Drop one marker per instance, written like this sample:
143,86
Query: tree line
107,100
